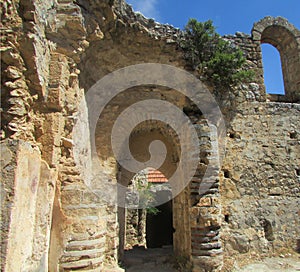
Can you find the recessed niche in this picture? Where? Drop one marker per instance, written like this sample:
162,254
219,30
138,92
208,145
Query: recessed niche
268,230
293,135
232,135
226,173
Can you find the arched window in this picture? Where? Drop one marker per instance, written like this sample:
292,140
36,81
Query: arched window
272,69
282,35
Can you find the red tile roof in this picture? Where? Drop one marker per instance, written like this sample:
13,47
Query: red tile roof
156,176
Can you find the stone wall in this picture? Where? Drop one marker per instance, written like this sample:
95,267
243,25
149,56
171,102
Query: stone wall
260,181
49,62
135,228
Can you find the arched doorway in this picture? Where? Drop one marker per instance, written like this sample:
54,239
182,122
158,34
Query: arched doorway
153,228
192,218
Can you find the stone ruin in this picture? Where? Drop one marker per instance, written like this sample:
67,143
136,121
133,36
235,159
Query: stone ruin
52,53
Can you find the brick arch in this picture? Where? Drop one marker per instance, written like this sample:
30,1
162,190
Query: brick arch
285,37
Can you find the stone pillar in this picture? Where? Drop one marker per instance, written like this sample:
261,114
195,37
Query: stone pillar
205,213
207,253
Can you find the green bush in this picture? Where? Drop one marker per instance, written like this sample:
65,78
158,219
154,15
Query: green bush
214,57
146,196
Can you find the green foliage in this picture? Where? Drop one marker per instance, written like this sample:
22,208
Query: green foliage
214,57
152,210
146,197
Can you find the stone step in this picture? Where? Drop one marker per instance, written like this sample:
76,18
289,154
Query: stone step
86,237
82,253
82,263
71,259
87,244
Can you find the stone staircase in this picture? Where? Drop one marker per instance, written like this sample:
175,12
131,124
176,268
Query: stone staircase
86,255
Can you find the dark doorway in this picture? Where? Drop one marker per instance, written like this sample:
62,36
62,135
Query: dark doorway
159,227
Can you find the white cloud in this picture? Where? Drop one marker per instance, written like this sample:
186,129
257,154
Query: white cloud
146,7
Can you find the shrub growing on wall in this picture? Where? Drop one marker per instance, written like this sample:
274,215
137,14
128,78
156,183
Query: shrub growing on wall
216,59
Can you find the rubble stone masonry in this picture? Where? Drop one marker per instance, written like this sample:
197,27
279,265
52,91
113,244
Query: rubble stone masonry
52,52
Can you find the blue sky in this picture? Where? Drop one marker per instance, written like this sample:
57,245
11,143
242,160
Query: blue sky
229,17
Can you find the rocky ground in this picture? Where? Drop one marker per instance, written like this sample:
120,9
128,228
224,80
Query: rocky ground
272,264
149,260
161,260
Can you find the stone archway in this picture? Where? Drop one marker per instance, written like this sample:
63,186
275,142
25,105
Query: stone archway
196,217
140,141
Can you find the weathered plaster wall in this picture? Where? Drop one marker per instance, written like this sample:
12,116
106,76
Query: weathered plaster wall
27,207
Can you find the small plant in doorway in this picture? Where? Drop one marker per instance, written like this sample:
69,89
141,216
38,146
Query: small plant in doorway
152,210
146,196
